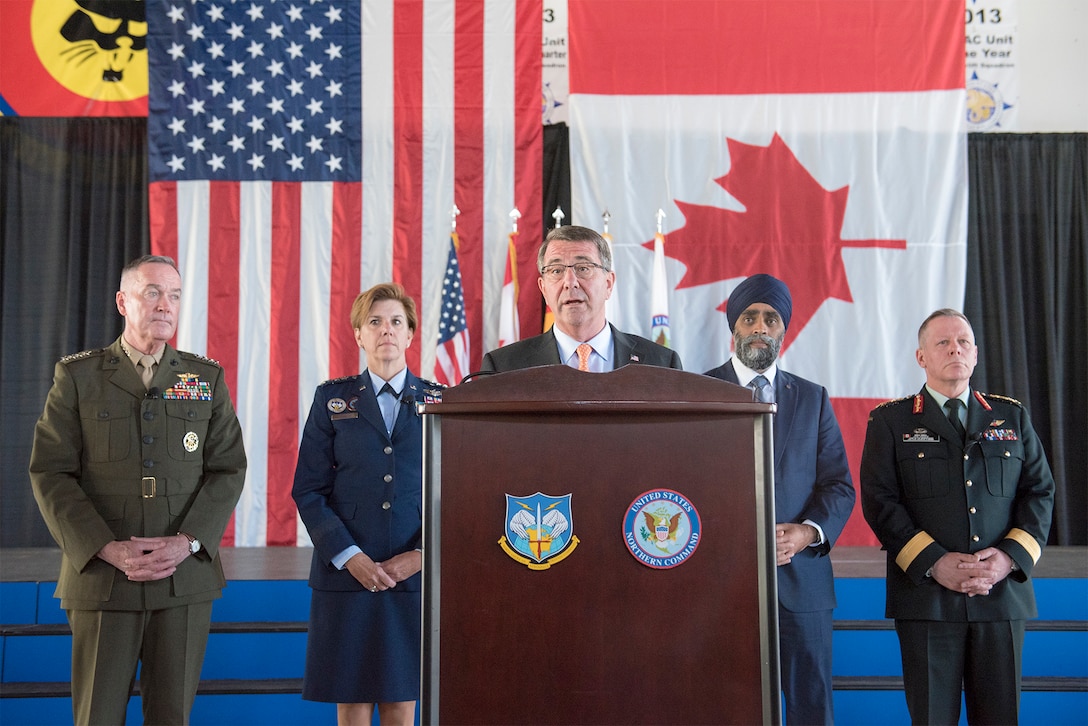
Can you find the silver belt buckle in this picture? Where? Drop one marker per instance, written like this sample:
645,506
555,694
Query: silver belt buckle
147,484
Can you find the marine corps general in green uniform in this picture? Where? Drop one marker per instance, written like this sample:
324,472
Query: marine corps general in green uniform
957,488
137,465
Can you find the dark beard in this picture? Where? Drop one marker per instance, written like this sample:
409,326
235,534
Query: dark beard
758,359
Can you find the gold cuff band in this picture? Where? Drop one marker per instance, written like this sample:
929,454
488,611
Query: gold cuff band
1026,541
912,549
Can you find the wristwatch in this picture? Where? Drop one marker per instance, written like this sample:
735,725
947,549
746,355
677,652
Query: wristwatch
194,543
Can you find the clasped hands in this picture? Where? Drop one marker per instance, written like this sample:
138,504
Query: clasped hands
790,538
145,559
973,574
376,576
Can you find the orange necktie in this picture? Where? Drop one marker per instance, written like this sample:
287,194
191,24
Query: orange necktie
583,351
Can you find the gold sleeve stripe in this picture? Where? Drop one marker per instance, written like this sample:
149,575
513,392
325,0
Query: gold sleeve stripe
1026,541
912,549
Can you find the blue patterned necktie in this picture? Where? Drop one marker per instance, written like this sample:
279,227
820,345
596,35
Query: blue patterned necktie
762,388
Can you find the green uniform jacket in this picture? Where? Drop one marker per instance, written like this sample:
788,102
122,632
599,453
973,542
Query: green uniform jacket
111,461
925,494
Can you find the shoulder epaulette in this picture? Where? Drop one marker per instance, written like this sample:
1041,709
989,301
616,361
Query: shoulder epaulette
82,354
893,401
1006,399
341,379
202,359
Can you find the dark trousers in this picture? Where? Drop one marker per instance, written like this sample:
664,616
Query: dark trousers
980,659
805,648
107,646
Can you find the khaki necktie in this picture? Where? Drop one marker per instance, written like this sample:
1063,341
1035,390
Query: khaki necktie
147,369
583,351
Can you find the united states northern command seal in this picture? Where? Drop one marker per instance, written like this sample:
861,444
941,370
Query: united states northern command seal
661,528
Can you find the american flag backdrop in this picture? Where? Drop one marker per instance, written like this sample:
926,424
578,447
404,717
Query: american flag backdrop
301,152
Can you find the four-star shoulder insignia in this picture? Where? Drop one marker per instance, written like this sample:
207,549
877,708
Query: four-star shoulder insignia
893,401
199,357
341,379
81,355
1006,399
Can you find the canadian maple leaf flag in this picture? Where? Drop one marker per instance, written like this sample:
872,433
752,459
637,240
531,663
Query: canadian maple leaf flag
300,153
820,141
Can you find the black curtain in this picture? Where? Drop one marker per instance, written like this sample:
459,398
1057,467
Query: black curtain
73,210
1027,296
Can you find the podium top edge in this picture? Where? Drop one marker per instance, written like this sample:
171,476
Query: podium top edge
569,407
631,384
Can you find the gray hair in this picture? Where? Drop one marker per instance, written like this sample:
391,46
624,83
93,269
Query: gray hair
574,233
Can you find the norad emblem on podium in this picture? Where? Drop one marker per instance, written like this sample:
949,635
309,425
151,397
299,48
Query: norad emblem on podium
661,528
539,530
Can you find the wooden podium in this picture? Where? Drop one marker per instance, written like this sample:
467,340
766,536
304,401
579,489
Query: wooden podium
599,549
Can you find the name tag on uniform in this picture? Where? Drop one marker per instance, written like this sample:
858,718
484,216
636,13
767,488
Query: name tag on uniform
920,436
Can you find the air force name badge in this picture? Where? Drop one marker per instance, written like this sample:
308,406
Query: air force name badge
539,530
661,528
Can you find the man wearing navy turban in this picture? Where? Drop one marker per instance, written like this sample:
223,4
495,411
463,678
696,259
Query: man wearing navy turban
814,493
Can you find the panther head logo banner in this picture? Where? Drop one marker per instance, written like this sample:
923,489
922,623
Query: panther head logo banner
73,57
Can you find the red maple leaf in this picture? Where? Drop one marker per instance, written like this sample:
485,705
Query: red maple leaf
790,228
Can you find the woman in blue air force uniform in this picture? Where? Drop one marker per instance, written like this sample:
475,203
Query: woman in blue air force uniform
358,488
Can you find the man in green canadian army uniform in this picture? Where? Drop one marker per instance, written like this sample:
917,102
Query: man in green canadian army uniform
956,487
137,465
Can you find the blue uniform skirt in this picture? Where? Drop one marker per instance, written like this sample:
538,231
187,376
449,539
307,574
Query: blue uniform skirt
363,647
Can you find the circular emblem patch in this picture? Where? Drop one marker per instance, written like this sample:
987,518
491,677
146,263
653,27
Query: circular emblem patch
336,405
985,106
661,528
191,441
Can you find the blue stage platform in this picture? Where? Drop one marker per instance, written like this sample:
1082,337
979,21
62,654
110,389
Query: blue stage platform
253,669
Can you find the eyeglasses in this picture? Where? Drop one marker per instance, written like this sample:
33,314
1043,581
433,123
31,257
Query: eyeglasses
582,270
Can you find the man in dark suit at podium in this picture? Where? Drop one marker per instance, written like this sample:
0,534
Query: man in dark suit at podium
814,493
576,280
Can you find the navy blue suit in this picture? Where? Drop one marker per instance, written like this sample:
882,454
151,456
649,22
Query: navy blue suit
812,481
543,350
357,484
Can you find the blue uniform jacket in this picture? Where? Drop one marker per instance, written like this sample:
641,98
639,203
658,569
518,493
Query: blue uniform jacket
811,481
356,484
